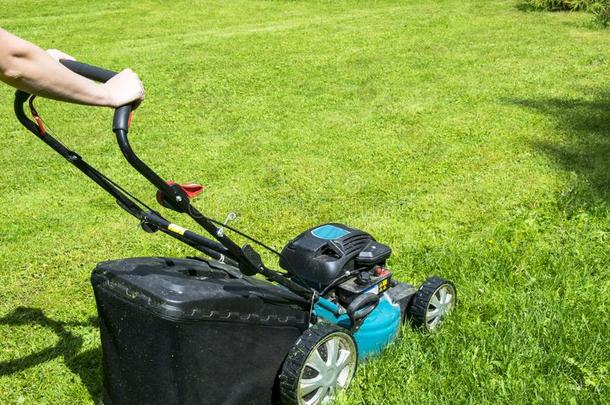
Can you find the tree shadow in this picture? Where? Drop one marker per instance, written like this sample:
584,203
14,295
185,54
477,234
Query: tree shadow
87,364
582,147
526,7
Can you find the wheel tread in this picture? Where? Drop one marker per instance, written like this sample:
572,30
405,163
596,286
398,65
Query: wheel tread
419,304
295,360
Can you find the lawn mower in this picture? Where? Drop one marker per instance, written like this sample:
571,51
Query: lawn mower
227,328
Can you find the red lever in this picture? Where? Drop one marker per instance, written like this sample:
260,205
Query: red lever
191,190
41,129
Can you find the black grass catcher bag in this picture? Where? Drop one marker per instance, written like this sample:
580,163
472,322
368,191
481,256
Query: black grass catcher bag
185,331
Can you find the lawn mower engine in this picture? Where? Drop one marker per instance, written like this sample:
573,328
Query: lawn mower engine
347,267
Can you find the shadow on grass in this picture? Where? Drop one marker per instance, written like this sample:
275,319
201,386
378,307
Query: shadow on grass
86,364
526,7
582,146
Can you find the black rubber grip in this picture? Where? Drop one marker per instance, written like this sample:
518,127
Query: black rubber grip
88,71
121,118
122,114
21,96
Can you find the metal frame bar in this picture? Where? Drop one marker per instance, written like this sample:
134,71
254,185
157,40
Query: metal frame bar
224,249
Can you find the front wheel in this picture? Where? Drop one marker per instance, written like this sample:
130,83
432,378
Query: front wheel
321,362
434,300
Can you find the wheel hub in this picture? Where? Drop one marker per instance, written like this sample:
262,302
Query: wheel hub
333,363
441,303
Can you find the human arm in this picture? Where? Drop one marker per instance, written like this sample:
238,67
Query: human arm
27,67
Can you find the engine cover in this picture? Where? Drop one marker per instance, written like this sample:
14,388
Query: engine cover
322,254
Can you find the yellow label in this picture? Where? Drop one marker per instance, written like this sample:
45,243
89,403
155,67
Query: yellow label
177,229
383,285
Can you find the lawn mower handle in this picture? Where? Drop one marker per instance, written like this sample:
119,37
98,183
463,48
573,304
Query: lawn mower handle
245,258
175,194
120,125
121,115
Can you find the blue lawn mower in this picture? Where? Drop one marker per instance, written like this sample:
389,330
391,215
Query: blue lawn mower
207,331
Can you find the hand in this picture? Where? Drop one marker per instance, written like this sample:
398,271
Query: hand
123,89
57,55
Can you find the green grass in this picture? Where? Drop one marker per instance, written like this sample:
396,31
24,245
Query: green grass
471,136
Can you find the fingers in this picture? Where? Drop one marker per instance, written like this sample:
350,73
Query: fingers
138,87
125,88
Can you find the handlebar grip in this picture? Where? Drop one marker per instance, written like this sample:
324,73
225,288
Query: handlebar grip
89,71
122,118
122,114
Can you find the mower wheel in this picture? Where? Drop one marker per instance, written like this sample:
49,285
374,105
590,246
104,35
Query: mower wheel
434,300
322,361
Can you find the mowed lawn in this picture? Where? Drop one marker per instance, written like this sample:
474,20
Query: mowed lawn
471,136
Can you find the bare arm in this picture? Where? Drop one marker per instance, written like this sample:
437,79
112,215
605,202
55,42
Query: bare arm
27,67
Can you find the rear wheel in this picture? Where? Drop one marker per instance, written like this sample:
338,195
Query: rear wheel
434,300
321,362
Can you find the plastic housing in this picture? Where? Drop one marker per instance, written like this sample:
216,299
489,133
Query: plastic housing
180,331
